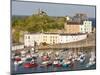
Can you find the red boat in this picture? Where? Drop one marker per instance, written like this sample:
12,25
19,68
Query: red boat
49,64
58,65
30,65
17,59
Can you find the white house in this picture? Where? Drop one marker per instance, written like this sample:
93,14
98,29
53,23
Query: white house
67,38
30,39
86,27
51,38
17,47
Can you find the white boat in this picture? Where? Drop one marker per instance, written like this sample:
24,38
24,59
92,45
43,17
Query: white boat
28,56
81,58
35,55
23,59
18,63
32,61
55,62
15,63
23,53
44,63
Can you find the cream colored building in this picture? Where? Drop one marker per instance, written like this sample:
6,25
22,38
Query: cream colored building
76,27
51,38
72,27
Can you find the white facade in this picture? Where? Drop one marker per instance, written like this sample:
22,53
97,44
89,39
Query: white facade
72,38
17,47
86,27
29,39
51,38
39,38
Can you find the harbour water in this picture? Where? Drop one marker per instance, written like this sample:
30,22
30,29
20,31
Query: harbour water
20,69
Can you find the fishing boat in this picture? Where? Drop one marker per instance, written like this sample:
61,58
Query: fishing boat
66,63
56,63
23,53
15,63
81,58
31,64
49,64
28,57
46,63
17,59
23,59
35,55
18,63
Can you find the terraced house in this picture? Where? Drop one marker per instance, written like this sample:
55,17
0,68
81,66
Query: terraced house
51,38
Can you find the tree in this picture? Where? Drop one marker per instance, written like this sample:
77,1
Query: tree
36,23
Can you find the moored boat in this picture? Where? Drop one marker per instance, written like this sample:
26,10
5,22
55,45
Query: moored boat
56,63
28,57
30,65
66,63
17,59
18,63
81,58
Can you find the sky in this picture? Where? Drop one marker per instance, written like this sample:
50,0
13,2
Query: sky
52,9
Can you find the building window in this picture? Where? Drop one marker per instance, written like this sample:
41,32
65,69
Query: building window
51,37
81,28
43,36
43,39
50,40
28,37
56,37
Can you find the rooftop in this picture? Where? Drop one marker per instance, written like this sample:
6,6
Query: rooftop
60,33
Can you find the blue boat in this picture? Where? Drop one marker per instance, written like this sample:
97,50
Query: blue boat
65,65
28,59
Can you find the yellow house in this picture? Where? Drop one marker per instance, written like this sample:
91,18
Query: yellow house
72,27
